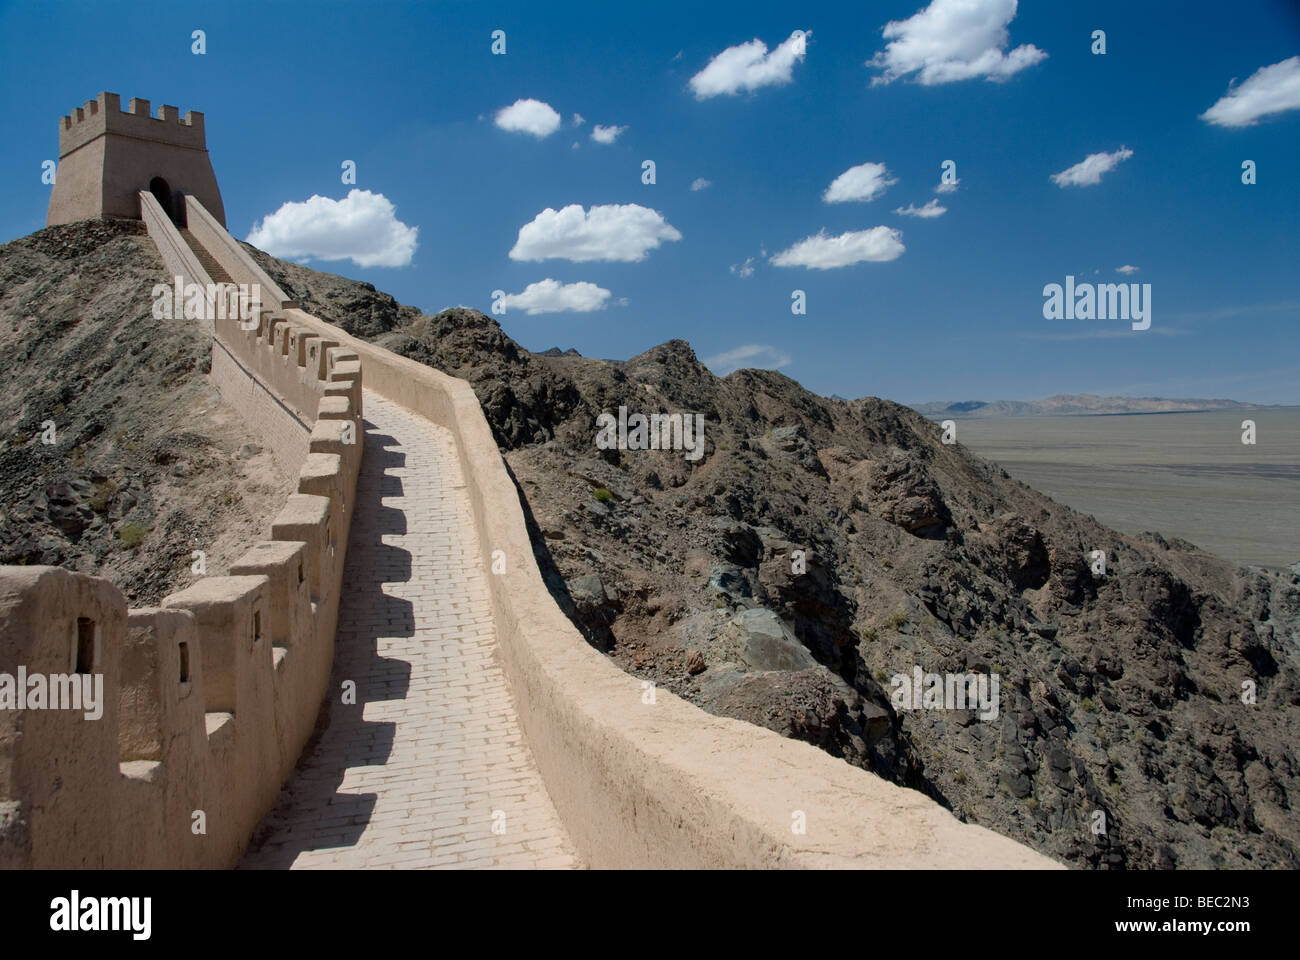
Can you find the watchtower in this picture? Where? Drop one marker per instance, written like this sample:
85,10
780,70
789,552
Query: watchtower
107,155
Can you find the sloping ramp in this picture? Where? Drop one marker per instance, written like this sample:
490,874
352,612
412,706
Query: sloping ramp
430,759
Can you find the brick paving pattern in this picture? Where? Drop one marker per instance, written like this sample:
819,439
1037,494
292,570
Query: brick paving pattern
414,774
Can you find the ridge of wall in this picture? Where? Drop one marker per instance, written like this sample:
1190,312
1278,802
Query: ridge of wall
208,699
661,784
176,254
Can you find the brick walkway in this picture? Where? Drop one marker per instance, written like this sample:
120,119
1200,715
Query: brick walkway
414,775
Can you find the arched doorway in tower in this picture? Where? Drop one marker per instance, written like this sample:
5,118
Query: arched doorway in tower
163,193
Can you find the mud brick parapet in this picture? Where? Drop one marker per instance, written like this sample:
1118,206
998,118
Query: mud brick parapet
208,699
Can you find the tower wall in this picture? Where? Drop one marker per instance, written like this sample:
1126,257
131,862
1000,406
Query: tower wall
107,155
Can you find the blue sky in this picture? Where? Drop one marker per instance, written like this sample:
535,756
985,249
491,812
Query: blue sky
411,93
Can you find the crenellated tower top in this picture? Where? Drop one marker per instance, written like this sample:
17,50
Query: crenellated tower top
104,114
107,155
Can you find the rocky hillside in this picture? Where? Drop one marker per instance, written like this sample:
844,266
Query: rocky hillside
1123,738
147,463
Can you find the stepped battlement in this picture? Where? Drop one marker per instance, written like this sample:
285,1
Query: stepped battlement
105,115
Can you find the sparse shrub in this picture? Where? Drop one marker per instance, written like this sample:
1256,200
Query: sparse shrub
101,495
602,494
1031,803
871,635
131,534
1087,704
887,564
895,620
959,776
880,675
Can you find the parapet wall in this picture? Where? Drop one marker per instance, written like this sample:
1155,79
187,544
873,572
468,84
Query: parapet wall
207,700
662,783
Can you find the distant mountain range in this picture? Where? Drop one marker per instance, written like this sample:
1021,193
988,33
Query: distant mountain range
1074,404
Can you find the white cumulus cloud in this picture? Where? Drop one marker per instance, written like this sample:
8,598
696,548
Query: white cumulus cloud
947,187
362,227
822,252
619,232
529,116
551,296
606,134
1269,90
1128,268
757,356
1087,172
864,182
953,40
930,210
749,66
579,119
699,183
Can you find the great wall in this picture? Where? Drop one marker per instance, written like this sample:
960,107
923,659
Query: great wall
405,544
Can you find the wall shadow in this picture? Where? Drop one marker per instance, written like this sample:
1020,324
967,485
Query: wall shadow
313,813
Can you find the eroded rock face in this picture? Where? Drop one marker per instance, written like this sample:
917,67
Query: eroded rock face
806,705
850,530
900,490
1072,580
764,643
1018,550
596,607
